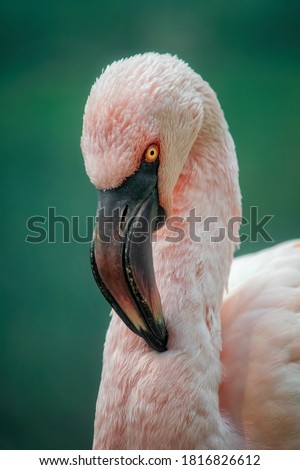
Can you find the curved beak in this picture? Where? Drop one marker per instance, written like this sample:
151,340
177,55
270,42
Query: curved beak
121,253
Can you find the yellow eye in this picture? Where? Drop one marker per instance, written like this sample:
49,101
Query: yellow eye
151,153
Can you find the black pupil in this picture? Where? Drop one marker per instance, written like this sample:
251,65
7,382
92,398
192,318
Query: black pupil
152,152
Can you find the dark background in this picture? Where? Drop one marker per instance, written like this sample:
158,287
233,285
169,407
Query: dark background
53,318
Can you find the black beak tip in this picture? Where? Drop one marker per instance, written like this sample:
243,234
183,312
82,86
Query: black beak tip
160,345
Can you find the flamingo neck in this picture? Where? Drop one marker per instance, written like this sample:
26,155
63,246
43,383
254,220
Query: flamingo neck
192,273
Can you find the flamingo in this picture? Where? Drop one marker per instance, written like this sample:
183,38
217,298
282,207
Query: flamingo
201,352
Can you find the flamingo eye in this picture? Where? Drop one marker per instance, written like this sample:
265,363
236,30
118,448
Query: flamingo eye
151,153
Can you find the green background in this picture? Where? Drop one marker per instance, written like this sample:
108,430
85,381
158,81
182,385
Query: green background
53,318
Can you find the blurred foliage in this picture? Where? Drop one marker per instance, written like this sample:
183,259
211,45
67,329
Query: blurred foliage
53,319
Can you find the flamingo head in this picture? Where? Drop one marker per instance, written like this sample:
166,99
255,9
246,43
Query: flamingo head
141,119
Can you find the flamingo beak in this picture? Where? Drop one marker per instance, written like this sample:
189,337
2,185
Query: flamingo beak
121,253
